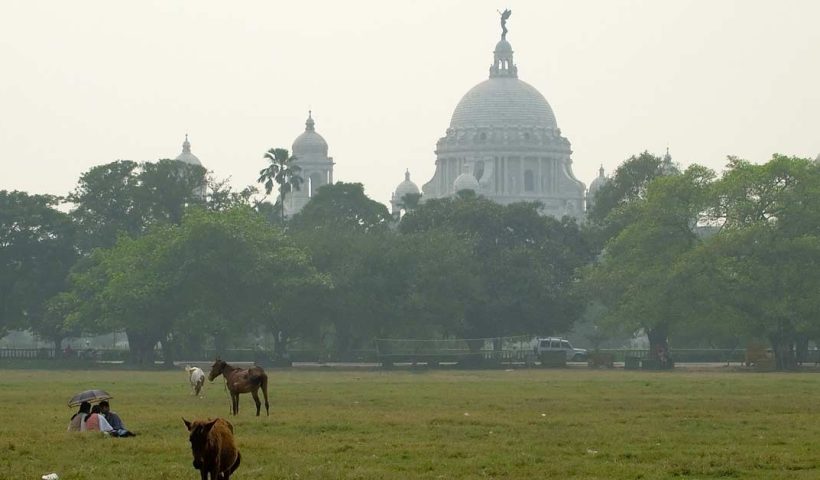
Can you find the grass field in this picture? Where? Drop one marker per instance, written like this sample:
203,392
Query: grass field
568,423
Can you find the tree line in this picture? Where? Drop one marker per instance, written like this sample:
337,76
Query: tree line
173,257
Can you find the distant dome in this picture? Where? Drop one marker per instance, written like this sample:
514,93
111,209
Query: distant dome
309,144
186,156
599,182
466,181
406,187
503,101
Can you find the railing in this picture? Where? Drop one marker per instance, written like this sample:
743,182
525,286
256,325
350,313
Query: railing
372,356
70,355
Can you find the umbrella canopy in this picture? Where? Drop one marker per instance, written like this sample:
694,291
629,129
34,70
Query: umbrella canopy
90,396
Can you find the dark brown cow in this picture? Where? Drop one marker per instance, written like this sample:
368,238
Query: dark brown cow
213,447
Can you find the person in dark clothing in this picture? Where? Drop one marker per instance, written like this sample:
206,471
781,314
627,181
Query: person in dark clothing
114,420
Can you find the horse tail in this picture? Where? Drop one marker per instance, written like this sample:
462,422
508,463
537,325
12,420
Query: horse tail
235,464
264,385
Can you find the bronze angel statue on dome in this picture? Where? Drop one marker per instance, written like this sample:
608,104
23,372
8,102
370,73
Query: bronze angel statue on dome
504,16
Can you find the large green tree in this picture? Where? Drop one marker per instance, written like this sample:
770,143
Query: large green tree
636,277
760,269
217,274
612,208
342,207
126,198
522,263
104,204
37,250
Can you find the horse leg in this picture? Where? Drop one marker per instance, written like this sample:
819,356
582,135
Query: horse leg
265,393
235,397
255,394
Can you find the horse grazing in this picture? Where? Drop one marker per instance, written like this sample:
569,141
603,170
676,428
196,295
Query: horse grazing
214,449
197,378
242,380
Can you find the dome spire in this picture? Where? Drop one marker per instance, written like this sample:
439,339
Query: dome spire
407,175
503,65
186,145
309,123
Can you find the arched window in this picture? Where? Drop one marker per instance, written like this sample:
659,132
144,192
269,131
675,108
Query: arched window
529,181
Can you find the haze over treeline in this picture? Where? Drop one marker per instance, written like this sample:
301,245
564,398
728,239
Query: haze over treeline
88,82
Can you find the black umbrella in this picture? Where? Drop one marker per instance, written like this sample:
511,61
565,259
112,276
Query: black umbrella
90,396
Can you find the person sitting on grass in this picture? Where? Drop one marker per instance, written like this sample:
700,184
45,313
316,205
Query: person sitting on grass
96,422
76,424
115,421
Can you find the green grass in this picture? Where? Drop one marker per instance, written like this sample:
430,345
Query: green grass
570,423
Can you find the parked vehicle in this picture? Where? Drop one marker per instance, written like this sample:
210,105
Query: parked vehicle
552,344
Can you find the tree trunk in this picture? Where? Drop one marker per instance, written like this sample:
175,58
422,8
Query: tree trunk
659,345
141,347
58,345
783,348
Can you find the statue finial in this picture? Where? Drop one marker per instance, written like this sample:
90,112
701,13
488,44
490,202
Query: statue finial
504,16
309,123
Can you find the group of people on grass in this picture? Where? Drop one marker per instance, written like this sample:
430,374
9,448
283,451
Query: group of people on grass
98,418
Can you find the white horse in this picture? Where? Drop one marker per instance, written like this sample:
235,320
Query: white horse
197,378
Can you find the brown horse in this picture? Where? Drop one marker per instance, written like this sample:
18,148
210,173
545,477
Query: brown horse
242,380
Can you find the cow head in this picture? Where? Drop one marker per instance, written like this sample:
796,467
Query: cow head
198,436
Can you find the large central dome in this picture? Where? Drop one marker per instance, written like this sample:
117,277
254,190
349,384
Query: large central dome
502,101
503,143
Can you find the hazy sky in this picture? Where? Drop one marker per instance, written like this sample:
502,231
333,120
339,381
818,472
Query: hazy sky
88,82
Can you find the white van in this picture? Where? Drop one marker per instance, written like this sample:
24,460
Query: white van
552,344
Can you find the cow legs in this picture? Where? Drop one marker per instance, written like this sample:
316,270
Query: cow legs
255,394
215,472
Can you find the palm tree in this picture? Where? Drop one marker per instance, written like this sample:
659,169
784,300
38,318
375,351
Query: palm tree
283,171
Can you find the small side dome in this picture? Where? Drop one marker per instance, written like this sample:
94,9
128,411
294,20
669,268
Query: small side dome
406,187
599,182
466,181
309,143
186,156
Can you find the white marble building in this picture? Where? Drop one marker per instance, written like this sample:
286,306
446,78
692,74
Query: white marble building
310,150
504,142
